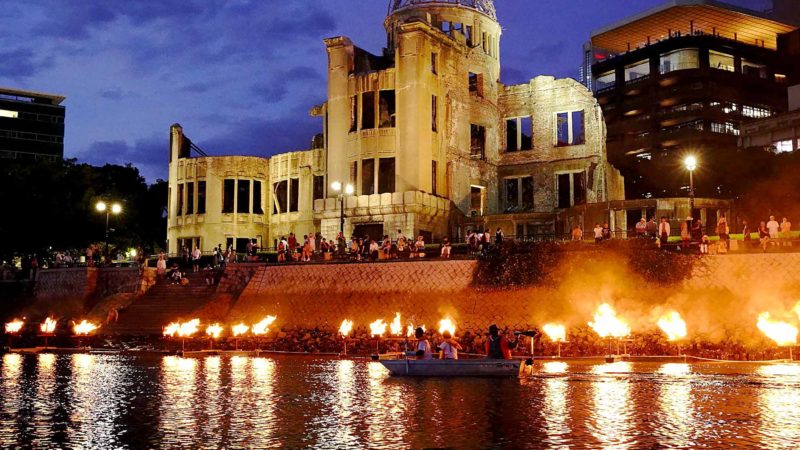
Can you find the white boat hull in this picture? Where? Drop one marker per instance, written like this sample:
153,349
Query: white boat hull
452,368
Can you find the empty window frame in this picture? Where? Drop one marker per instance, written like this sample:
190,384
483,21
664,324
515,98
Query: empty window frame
685,58
368,177
294,194
201,197
519,194
189,198
387,109
354,173
519,132
468,35
476,200
279,195
476,84
180,199
228,192
721,61
570,128
319,187
353,113
433,177
386,175
434,63
477,141
258,208
571,189
367,110
243,197
434,113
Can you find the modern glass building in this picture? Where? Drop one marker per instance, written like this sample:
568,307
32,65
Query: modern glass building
31,125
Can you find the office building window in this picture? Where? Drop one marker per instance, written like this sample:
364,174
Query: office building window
725,128
685,58
367,110
721,61
518,134
279,193
368,177
201,197
606,81
189,198
637,70
784,146
434,113
228,191
257,207
387,109
180,199
754,69
294,196
570,128
353,113
477,139
386,175
319,187
243,197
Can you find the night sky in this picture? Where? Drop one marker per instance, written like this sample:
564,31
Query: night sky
239,75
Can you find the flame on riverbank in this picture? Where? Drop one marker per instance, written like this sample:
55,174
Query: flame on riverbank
396,328
607,324
345,327
262,328
48,326
377,328
673,325
214,331
411,330
83,328
239,330
556,332
14,327
784,334
447,324
186,329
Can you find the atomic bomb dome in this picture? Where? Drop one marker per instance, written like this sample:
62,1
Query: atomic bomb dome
483,6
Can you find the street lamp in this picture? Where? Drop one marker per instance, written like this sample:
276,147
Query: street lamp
115,209
691,164
348,190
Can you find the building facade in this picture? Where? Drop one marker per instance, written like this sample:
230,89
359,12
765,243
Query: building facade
31,125
429,139
681,79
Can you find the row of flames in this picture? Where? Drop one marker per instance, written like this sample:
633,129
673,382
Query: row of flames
48,327
214,331
605,323
396,327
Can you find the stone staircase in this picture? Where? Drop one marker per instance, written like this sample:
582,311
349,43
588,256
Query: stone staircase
163,303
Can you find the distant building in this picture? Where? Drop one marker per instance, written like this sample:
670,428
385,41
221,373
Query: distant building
682,78
779,133
432,143
591,55
31,125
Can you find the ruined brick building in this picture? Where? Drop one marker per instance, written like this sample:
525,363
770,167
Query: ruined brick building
427,137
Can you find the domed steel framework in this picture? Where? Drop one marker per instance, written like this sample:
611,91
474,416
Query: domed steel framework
484,6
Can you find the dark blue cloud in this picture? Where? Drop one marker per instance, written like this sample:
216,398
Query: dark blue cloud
20,63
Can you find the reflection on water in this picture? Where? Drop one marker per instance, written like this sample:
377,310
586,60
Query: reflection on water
104,401
611,413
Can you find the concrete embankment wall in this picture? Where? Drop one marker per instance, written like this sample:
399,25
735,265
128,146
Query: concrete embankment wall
424,292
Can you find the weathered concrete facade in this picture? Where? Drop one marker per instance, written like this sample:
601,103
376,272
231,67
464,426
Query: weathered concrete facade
430,141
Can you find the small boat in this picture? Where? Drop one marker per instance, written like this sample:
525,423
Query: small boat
452,368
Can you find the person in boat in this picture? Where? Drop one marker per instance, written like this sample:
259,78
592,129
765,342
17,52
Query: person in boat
449,348
498,347
423,346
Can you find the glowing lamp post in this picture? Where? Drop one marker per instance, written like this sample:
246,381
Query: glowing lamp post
691,164
115,209
348,190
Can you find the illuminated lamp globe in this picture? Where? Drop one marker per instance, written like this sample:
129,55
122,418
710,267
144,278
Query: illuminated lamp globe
116,208
336,186
349,189
690,162
101,206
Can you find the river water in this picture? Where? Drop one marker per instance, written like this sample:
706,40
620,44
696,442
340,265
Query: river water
107,401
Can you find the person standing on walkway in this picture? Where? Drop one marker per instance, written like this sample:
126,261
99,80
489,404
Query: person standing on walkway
598,233
663,231
774,228
786,232
196,259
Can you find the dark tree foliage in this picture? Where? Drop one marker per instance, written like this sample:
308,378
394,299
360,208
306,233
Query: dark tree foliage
531,264
53,205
